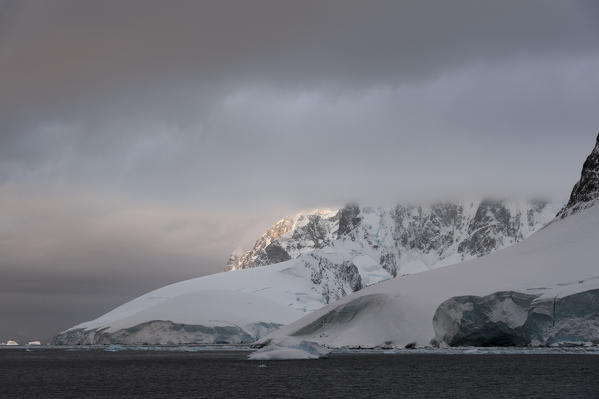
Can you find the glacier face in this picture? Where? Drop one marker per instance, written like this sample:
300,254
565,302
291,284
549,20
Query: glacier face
162,332
509,318
403,239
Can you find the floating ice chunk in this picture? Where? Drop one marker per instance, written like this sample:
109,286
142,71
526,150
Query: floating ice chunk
114,348
299,350
280,353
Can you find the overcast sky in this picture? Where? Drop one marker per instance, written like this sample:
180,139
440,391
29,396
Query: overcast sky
142,141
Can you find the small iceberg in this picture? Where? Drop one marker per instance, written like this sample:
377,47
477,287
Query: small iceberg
302,350
114,348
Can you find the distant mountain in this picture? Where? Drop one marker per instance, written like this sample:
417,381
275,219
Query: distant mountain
313,259
542,291
403,239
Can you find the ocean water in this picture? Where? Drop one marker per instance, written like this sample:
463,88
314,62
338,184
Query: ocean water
52,373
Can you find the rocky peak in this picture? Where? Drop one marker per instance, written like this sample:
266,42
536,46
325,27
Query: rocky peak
279,229
286,238
586,192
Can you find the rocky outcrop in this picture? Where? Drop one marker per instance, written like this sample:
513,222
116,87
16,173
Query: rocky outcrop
161,332
491,224
509,318
349,220
586,191
288,238
335,280
427,229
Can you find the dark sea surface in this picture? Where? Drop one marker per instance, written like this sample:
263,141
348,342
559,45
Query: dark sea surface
46,373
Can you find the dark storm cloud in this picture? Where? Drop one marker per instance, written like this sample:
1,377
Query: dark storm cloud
112,54
88,63
140,141
86,80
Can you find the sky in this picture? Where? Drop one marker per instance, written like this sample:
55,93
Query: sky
142,141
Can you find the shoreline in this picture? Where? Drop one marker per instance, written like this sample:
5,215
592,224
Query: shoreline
586,350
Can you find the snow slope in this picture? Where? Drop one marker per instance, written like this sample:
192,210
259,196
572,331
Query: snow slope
557,261
244,304
230,307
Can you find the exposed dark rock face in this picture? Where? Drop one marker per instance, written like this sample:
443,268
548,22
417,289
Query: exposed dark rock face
470,229
307,230
349,220
426,229
316,231
258,256
586,192
510,318
389,262
447,227
491,224
161,332
275,253
335,280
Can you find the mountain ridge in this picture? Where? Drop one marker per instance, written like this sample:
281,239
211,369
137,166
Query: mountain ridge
451,231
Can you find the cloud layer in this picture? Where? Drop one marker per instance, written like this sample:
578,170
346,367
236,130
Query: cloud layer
140,142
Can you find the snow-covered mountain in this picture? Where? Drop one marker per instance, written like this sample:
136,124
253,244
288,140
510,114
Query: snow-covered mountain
542,291
404,238
314,259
